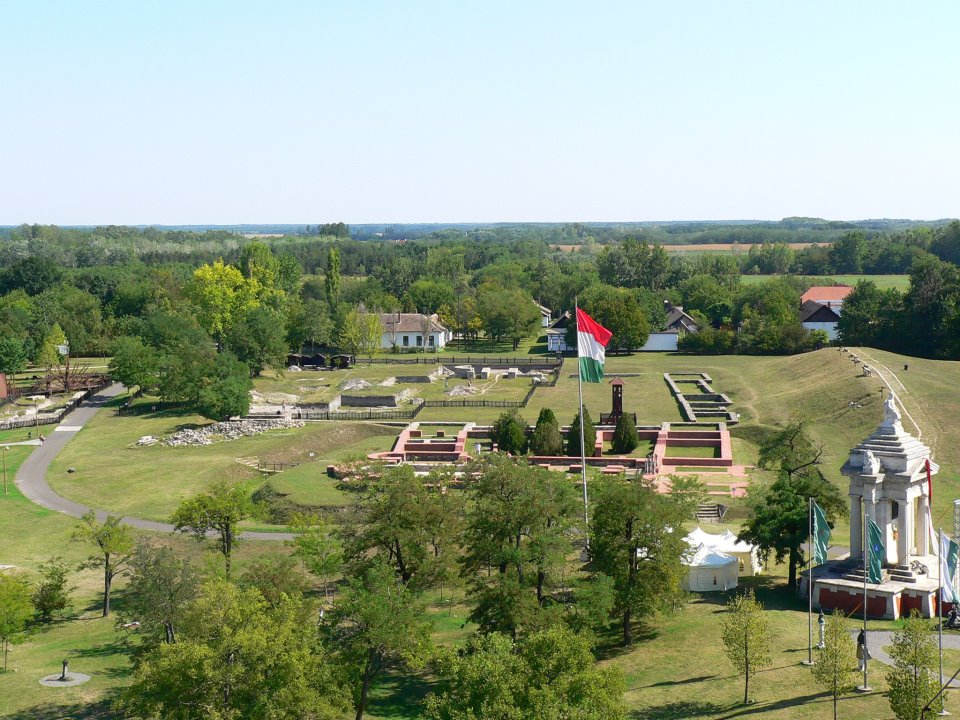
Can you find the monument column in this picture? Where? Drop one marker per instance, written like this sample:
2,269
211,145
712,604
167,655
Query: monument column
923,542
856,527
905,528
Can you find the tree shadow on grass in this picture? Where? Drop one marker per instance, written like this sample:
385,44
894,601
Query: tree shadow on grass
75,711
773,707
680,710
398,695
610,639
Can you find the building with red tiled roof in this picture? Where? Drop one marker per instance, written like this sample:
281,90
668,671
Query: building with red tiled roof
831,296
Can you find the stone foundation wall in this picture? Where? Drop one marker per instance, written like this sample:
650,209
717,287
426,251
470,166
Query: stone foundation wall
367,401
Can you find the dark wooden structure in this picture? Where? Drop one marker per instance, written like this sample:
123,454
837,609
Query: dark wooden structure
616,410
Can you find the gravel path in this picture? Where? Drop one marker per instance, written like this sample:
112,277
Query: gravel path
879,639
32,476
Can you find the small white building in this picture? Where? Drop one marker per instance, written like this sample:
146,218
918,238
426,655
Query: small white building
546,315
815,316
406,331
711,571
678,323
557,334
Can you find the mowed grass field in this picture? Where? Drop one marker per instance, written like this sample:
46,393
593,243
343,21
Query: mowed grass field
884,282
677,668
112,473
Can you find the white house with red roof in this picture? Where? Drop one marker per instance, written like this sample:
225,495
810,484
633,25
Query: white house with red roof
831,296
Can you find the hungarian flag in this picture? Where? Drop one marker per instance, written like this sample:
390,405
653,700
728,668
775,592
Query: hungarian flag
874,551
821,534
592,339
949,551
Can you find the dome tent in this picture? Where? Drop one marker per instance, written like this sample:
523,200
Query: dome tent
710,571
727,542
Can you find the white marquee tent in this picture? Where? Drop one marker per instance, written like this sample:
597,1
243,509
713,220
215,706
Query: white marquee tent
711,570
745,553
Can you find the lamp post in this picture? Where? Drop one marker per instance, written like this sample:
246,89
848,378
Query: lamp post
4,456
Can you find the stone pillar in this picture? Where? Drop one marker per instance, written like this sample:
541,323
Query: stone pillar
856,527
923,542
905,528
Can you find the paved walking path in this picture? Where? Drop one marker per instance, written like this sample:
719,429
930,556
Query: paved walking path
879,639
32,476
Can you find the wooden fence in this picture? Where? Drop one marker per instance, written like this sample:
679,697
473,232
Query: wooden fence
58,415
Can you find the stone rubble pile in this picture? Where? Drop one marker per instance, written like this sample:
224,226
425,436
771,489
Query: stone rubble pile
227,430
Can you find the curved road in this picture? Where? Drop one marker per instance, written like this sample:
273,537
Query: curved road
32,476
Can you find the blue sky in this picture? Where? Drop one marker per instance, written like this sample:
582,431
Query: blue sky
227,112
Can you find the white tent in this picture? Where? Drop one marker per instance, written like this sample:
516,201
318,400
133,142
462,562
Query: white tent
711,570
727,542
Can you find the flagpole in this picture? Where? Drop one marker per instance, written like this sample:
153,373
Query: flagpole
809,582
583,450
943,711
866,571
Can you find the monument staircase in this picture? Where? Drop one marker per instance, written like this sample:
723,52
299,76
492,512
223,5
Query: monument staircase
889,572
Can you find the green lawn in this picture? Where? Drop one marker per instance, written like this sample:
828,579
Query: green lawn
113,474
323,386
884,282
674,451
677,669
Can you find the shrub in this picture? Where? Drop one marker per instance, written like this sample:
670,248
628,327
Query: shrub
509,433
589,435
625,438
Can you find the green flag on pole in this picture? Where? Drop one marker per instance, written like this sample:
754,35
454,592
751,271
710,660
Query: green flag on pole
949,552
821,534
874,552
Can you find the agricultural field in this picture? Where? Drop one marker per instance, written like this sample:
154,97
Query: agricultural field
676,670
884,282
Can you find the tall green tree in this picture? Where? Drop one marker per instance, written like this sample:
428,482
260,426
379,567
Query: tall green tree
162,584
317,547
237,656
13,356
114,545
836,662
332,278
221,295
746,638
376,620
914,679
15,609
633,540
134,363
519,523
51,596
546,438
509,433
225,390
625,438
259,339
548,674
589,435
618,310
780,519
218,511
361,332
405,522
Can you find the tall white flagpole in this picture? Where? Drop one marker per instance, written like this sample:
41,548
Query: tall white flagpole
866,572
583,450
940,604
810,582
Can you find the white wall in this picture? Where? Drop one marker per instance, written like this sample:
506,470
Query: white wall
829,327
661,342
556,343
390,339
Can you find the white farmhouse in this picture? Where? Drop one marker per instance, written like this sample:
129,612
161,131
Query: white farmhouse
413,330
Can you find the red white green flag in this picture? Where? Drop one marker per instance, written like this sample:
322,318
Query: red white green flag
592,339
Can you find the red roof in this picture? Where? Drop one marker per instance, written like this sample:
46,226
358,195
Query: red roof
826,294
